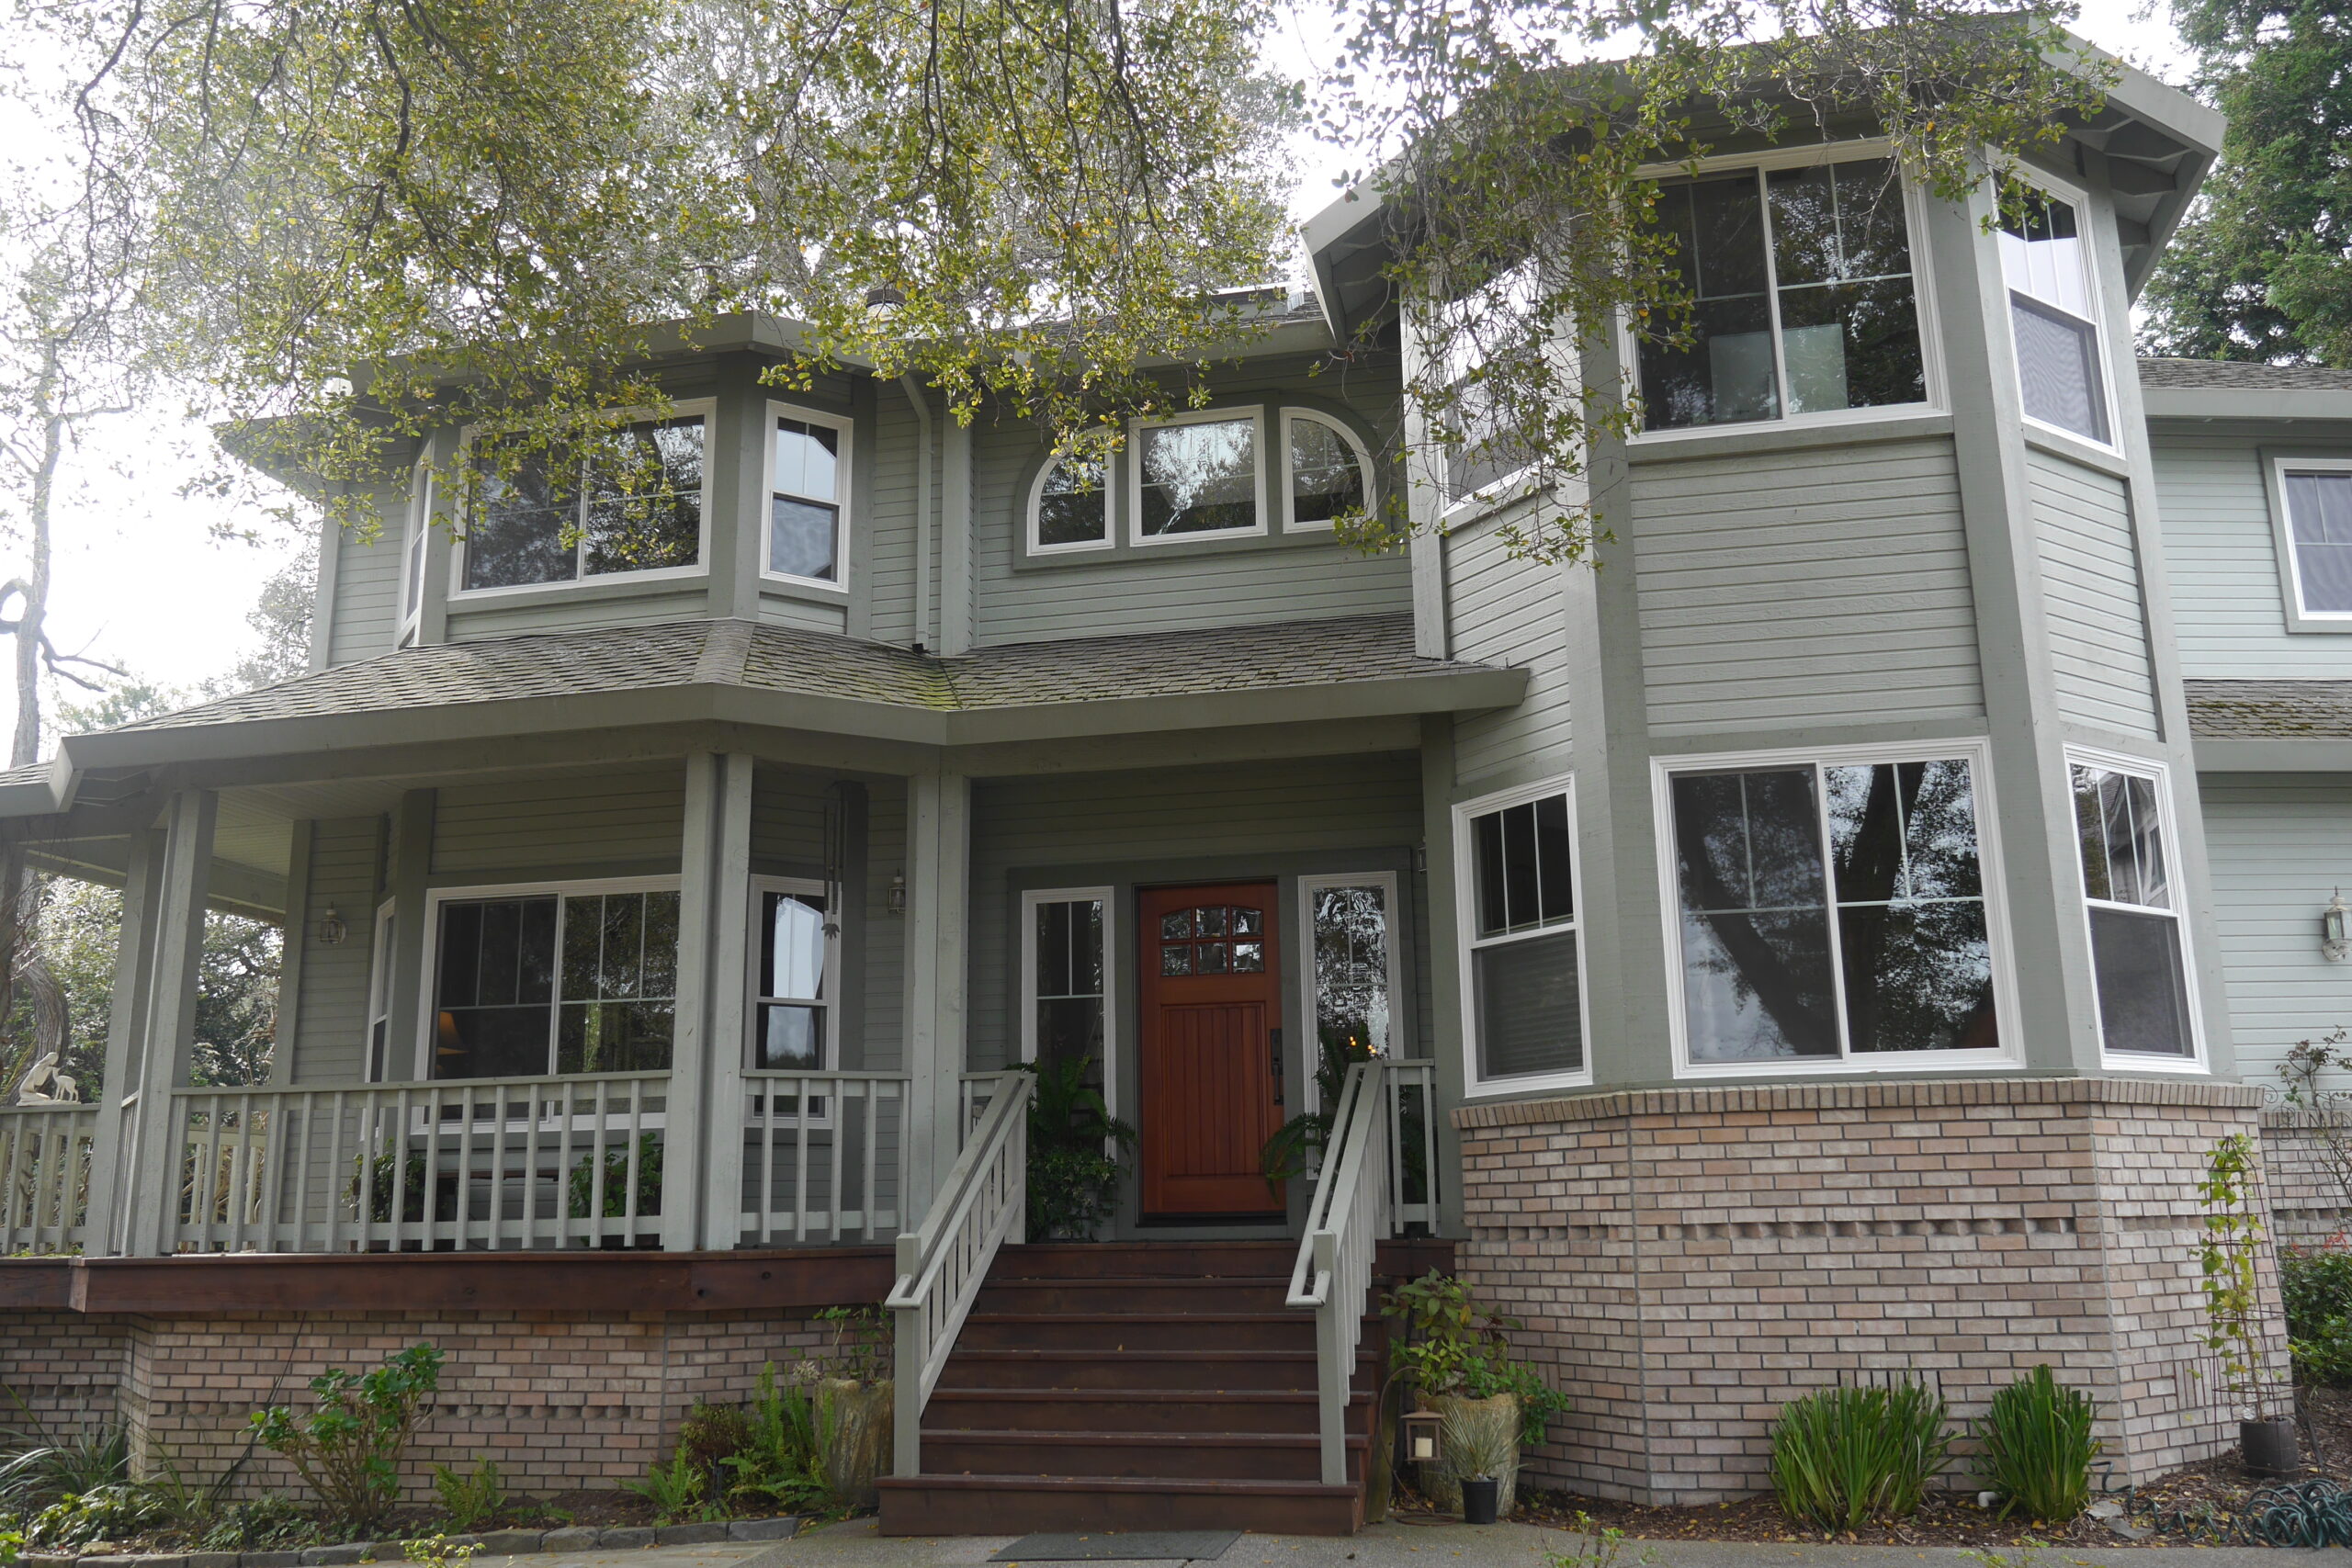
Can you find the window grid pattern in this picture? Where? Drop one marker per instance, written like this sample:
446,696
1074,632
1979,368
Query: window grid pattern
2139,956
1525,990
555,983
1067,973
793,987
804,500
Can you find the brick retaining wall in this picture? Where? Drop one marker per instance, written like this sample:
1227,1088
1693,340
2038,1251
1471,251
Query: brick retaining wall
1687,1260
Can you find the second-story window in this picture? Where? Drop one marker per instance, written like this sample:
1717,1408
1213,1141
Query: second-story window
2053,316
1802,297
1073,505
2318,497
1197,476
629,501
808,497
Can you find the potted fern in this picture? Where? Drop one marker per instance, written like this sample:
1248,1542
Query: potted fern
1077,1152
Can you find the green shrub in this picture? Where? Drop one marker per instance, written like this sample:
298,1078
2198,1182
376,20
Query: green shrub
1846,1456
44,1466
1456,1345
349,1449
2316,1282
106,1513
711,1434
615,1187
783,1466
2038,1447
1077,1152
469,1499
677,1490
267,1523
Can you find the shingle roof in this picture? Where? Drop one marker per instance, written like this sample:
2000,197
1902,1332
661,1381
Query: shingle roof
2269,710
2239,377
788,659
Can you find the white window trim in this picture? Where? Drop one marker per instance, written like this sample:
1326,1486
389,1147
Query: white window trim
1356,448
1311,1039
436,897
818,1115
1036,500
1934,400
1977,754
2094,292
1030,899
414,545
2167,826
688,408
1256,415
844,476
2291,564
1466,918
383,955
1431,468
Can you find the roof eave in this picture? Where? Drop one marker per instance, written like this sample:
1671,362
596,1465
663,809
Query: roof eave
2205,403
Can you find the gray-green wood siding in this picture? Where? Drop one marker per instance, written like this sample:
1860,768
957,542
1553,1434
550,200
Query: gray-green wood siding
889,522
367,592
674,598
1155,823
329,1019
573,825
1805,588
2090,588
2229,587
2277,845
1502,611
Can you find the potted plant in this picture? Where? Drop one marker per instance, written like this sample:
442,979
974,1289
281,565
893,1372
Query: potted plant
854,1395
1077,1152
1458,1357
2228,1255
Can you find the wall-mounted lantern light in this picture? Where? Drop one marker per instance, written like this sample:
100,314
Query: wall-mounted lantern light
898,894
1424,1438
331,930
2334,939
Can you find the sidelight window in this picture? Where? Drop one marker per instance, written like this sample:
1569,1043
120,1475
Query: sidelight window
1351,934
627,499
1066,981
529,983
1831,912
2138,949
1522,953
791,1007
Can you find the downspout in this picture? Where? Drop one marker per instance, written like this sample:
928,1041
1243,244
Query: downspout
922,404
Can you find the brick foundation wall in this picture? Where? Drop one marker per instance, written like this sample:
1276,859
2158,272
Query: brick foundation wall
2307,1198
561,1400
1687,1260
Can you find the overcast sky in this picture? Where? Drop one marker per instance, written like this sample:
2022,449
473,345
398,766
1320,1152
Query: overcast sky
142,581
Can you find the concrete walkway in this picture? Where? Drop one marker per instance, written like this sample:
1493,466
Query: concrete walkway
858,1544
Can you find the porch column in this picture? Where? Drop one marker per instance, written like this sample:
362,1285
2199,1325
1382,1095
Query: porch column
117,1097
166,1029
702,1155
939,849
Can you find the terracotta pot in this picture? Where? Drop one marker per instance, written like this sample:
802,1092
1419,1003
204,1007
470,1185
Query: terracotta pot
859,1454
1480,1438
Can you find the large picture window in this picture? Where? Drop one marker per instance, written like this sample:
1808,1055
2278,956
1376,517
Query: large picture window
2317,496
1804,300
2053,317
2139,950
1198,475
532,982
1522,983
791,1004
629,499
1830,911
808,496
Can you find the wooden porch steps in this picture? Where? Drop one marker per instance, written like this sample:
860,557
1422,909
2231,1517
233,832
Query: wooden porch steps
1135,1386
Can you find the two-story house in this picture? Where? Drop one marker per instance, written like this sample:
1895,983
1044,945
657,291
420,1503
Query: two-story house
1815,937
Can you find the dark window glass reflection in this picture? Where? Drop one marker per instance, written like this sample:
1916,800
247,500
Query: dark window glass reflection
1073,502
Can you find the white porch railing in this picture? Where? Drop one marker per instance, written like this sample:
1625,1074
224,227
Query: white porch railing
487,1163
45,1161
980,1206
825,1159
1345,1224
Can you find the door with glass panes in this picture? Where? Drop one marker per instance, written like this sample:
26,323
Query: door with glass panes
1211,1014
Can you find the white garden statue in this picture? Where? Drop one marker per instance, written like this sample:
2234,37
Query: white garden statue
46,1085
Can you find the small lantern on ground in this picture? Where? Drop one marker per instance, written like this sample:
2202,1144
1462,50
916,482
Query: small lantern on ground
1424,1436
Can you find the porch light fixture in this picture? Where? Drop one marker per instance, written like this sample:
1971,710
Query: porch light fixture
2334,939
332,931
898,894
1424,1438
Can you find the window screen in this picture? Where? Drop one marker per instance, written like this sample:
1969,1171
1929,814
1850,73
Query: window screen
2137,953
2319,520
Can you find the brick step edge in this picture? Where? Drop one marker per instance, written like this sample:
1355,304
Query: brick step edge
496,1543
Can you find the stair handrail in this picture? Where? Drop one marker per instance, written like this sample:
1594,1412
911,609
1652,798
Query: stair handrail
1333,1275
942,1261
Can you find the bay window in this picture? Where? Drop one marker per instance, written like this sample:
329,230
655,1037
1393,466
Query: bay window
2138,949
529,982
1522,959
2053,316
1802,297
626,500
1830,911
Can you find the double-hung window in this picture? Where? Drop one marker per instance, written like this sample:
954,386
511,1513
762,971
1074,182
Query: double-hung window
809,471
1491,339
529,982
2317,496
2053,316
797,942
2139,948
628,499
1066,981
1199,474
1523,966
1830,911
1802,297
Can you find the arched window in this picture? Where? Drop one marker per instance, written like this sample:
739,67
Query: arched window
1329,472
1070,509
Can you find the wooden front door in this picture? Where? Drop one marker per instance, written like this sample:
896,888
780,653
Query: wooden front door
1212,1002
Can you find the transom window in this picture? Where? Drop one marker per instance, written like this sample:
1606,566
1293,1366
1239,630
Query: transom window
1199,475
807,481
569,982
1523,985
1212,939
2053,317
2139,951
1804,300
2318,499
791,1004
629,499
1831,910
